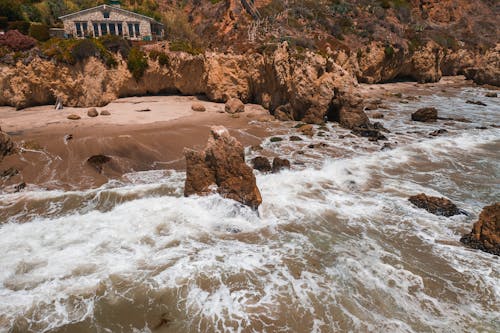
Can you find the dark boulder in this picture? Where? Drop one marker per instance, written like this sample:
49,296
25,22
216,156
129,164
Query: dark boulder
98,161
435,205
426,115
280,164
262,164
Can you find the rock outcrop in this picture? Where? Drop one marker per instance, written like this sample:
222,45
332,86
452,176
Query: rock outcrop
487,70
221,168
435,205
234,105
485,234
7,146
426,115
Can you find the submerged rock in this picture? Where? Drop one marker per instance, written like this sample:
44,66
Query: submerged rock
491,94
425,115
234,105
485,234
470,101
435,205
98,161
221,167
307,129
262,164
280,164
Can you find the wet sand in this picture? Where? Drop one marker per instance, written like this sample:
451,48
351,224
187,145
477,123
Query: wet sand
136,140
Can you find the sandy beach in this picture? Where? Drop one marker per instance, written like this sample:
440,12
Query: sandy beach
141,133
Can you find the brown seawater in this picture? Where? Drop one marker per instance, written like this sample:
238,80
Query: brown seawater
336,246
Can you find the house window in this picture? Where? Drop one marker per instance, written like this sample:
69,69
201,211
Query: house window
78,29
105,14
85,28
131,30
137,32
104,29
112,29
120,29
96,29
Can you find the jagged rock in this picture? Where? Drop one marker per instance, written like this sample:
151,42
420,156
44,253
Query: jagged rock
7,146
276,139
487,69
262,164
469,101
20,187
307,130
491,95
92,113
435,205
221,167
98,161
438,132
74,117
347,111
425,115
198,107
485,234
105,113
234,105
280,164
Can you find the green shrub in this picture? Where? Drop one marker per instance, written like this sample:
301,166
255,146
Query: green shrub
137,63
161,57
116,44
39,32
71,51
185,46
21,26
84,49
389,51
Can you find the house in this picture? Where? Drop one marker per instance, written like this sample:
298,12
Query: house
111,20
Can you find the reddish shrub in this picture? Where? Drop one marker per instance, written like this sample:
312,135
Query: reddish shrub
16,41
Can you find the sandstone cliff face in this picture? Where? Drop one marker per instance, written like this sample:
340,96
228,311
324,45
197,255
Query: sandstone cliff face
305,84
379,63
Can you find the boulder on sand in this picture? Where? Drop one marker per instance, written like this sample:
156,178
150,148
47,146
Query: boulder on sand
435,205
74,117
92,113
98,161
426,115
198,107
221,167
105,113
485,234
234,105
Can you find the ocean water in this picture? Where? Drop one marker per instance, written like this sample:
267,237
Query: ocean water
335,246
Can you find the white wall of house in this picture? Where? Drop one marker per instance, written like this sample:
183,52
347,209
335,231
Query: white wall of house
107,20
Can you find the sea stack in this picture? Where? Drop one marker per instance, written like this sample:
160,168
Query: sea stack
221,168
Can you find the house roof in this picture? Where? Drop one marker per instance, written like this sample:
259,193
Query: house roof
104,7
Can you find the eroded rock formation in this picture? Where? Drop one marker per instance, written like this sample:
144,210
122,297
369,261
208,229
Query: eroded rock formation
485,234
221,168
7,146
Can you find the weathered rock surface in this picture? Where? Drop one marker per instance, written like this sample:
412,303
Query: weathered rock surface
487,70
234,105
435,205
347,111
105,113
426,115
485,234
92,113
221,167
262,164
73,117
7,146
